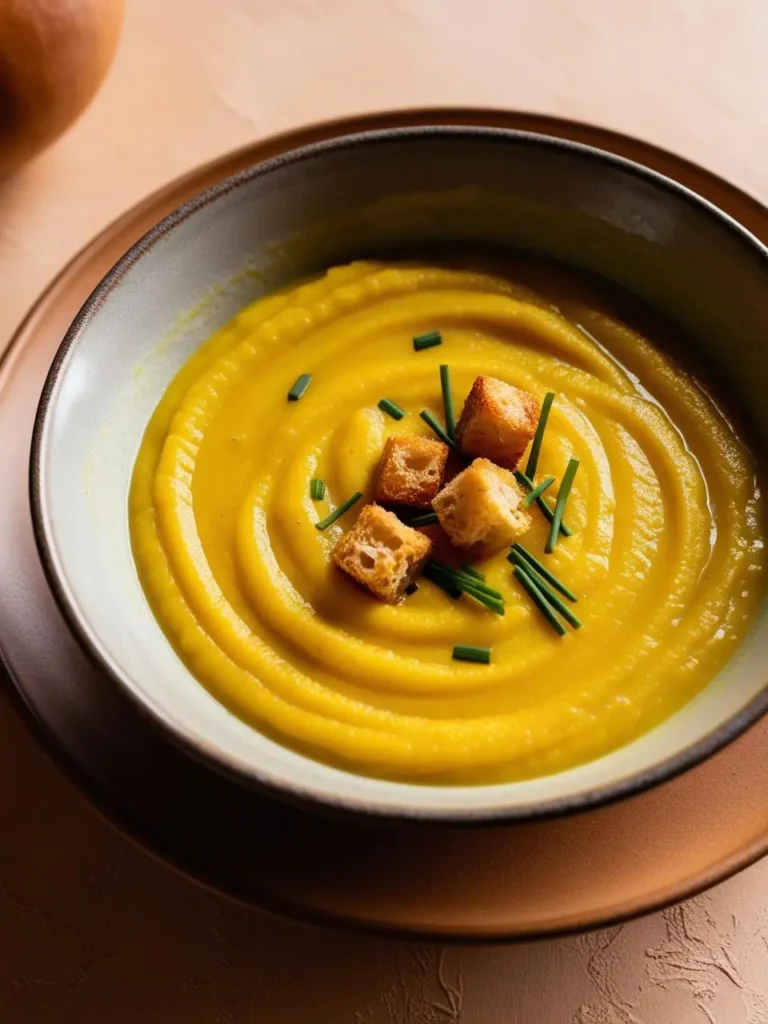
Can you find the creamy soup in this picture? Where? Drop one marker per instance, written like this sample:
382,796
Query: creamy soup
665,552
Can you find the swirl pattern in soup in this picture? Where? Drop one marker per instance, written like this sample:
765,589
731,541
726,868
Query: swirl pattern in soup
666,553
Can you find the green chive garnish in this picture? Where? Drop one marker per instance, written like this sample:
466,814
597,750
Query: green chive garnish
467,582
391,409
429,340
461,577
479,655
494,604
541,426
426,520
520,556
455,580
430,420
562,498
301,385
445,384
540,502
539,600
316,490
470,570
442,580
537,490
556,603
339,512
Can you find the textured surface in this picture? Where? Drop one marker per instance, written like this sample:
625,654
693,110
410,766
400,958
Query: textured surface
92,929
84,915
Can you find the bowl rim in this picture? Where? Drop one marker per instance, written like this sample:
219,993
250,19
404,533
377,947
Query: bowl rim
250,774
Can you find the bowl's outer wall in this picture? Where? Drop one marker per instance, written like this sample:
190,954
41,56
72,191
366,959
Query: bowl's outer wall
299,214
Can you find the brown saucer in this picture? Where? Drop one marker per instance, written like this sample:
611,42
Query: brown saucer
527,880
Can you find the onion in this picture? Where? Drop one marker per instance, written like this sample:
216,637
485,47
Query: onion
54,55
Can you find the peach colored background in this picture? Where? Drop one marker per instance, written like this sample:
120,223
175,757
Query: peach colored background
92,929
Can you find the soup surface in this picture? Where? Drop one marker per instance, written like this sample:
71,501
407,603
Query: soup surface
666,553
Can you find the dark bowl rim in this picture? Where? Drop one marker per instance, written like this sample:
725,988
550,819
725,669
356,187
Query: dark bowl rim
589,799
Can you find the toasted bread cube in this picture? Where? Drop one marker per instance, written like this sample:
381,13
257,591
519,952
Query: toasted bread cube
497,422
480,509
411,471
382,553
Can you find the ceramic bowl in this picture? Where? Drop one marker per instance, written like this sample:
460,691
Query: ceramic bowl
326,204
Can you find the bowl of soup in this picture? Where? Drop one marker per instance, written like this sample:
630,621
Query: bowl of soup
568,352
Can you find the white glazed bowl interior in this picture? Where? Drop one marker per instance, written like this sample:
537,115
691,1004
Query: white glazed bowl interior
321,206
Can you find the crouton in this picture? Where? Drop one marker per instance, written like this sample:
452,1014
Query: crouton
480,509
497,422
411,471
382,553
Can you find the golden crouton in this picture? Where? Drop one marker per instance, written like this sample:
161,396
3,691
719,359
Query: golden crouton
480,509
411,471
497,422
382,553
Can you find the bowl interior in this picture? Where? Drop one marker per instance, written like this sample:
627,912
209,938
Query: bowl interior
405,189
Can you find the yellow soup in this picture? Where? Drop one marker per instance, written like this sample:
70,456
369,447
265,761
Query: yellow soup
666,553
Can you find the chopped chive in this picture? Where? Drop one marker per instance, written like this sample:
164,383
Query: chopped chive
442,580
445,384
540,503
562,498
454,584
429,340
495,604
461,574
541,426
301,385
339,512
519,555
430,420
411,589
391,409
316,490
470,570
435,568
539,600
490,598
537,490
464,583
556,603
426,520
479,655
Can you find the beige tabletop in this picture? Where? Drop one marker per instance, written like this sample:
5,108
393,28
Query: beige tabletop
92,929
